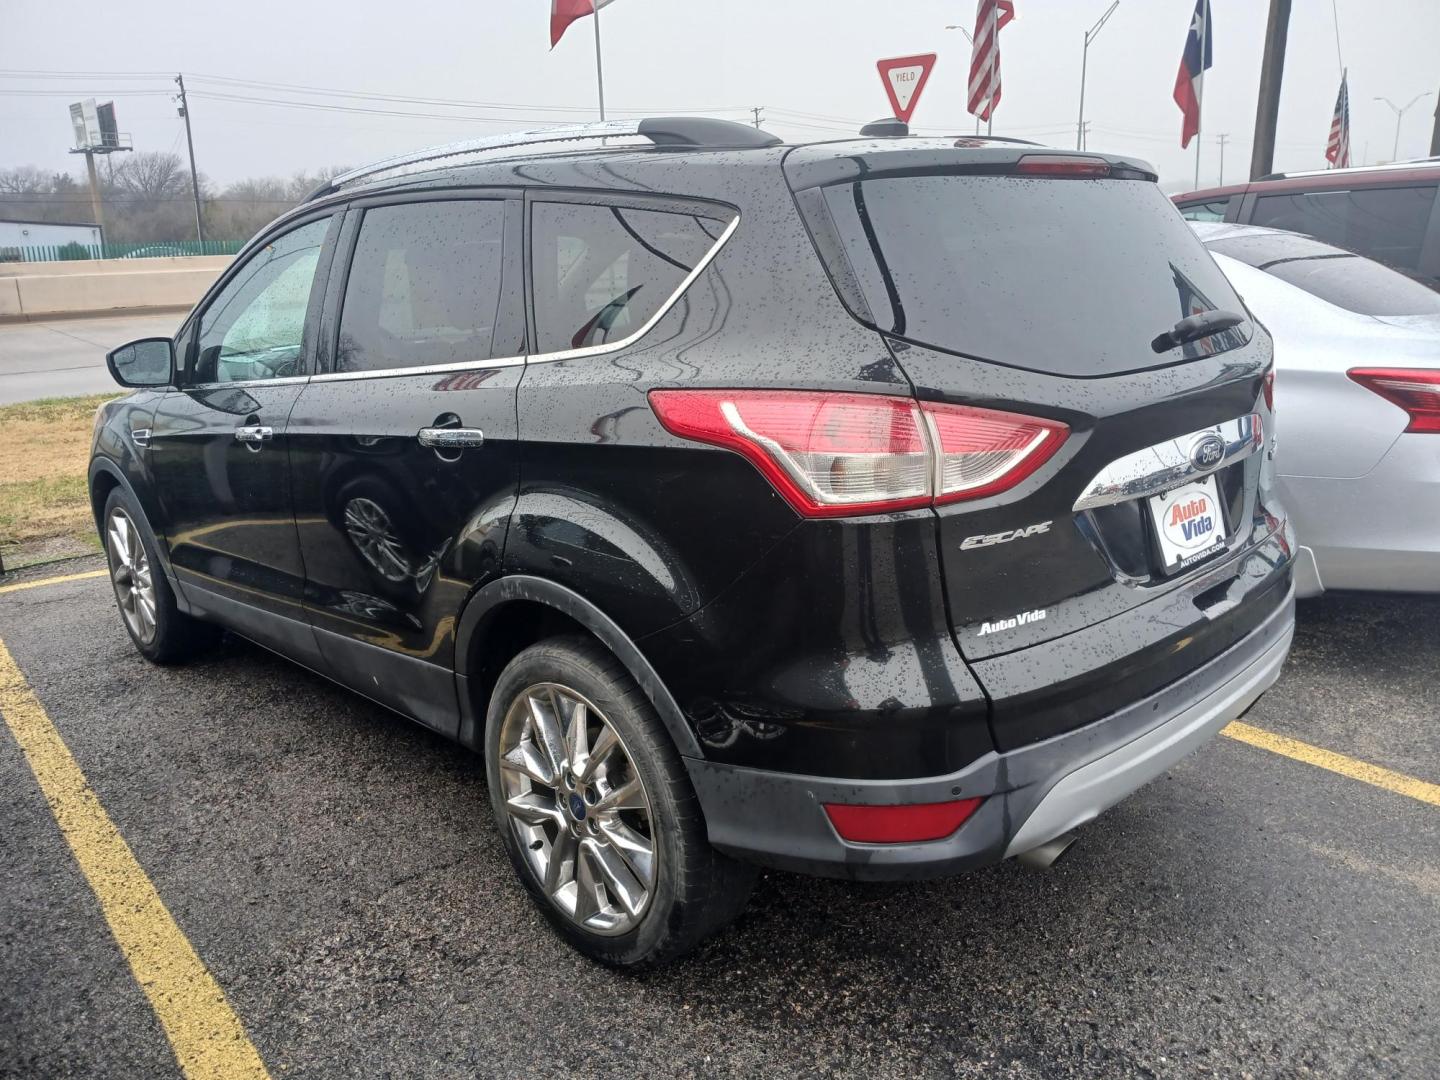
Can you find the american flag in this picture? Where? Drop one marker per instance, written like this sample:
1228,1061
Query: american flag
1337,152
990,16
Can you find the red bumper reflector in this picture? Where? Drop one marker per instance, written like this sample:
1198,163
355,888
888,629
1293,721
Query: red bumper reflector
906,824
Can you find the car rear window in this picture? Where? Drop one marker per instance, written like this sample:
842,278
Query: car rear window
1205,211
1385,223
1073,277
1342,278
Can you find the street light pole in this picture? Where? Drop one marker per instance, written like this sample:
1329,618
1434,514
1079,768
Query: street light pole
1090,36
971,39
1399,116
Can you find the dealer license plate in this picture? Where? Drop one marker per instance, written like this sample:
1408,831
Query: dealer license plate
1189,524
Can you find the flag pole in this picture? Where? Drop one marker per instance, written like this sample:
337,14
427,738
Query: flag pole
1200,97
599,69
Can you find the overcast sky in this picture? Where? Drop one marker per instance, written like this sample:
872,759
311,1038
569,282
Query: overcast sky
813,57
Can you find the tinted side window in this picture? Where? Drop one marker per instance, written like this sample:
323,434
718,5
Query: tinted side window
254,328
1208,211
601,272
1385,223
425,287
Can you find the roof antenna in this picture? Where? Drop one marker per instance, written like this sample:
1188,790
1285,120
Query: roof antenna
888,128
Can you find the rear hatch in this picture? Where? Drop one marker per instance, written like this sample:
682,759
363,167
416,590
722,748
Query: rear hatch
1037,283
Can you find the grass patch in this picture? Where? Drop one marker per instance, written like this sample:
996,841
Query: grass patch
44,455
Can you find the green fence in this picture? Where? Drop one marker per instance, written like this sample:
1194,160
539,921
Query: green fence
155,250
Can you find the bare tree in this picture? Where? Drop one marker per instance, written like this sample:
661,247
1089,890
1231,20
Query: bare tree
25,180
151,176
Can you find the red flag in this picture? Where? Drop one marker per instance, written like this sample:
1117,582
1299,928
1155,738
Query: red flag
1193,63
565,12
990,16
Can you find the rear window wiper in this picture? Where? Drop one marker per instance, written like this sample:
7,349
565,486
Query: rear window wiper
1195,327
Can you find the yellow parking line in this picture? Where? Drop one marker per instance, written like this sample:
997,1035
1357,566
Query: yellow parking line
38,582
208,1038
1366,773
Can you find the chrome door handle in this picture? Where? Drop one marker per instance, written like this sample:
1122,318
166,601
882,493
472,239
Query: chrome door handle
254,433
451,438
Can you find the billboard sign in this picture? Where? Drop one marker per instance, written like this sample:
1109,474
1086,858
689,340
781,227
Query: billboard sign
85,122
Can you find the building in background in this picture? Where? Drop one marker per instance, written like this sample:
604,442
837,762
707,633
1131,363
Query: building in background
22,234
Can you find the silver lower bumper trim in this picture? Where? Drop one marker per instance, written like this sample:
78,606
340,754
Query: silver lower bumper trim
1080,796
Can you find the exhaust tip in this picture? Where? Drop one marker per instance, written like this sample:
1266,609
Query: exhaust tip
1048,853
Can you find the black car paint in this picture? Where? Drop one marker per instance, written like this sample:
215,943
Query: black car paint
839,647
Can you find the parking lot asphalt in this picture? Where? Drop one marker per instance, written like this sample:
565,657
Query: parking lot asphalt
337,869
66,357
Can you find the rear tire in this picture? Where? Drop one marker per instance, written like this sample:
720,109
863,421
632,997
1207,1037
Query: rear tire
162,633
597,813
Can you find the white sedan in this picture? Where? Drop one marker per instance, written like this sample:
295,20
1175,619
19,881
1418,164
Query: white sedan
1357,401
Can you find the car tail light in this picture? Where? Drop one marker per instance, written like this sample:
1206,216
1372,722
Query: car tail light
838,454
1415,390
983,451
906,824
1267,388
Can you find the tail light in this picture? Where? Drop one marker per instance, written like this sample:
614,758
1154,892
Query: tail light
906,824
837,455
1267,387
1061,165
1416,391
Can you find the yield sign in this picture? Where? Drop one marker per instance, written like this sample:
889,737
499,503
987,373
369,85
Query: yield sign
904,77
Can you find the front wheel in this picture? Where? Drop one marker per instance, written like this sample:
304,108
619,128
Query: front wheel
597,813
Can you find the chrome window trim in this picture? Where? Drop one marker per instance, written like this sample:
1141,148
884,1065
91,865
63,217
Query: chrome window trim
546,358
428,369
1167,464
660,312
282,380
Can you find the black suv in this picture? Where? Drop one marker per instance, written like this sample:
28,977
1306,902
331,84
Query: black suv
877,508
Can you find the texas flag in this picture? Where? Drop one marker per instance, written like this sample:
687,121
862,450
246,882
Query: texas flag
564,12
1193,65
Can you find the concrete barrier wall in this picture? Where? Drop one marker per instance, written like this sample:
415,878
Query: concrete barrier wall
99,286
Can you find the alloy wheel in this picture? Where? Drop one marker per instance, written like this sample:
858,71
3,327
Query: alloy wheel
578,808
130,572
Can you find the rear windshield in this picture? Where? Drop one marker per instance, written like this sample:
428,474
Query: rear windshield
1068,276
1342,278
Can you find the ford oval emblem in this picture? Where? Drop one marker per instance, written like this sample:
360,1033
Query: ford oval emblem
1207,451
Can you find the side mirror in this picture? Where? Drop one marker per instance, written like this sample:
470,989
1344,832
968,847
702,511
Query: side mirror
147,362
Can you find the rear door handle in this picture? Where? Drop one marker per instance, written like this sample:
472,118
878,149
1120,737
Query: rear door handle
451,438
254,433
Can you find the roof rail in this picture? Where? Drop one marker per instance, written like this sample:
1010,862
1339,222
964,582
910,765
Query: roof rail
1389,166
704,132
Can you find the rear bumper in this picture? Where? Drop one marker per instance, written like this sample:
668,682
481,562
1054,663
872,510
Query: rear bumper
1032,794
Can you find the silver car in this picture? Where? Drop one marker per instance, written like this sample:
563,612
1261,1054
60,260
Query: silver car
1357,399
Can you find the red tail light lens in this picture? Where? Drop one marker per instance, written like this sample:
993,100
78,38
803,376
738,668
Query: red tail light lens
983,451
1415,390
837,455
909,824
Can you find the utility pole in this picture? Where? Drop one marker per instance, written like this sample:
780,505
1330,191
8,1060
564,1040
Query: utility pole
190,145
1267,105
1090,36
757,110
1221,139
